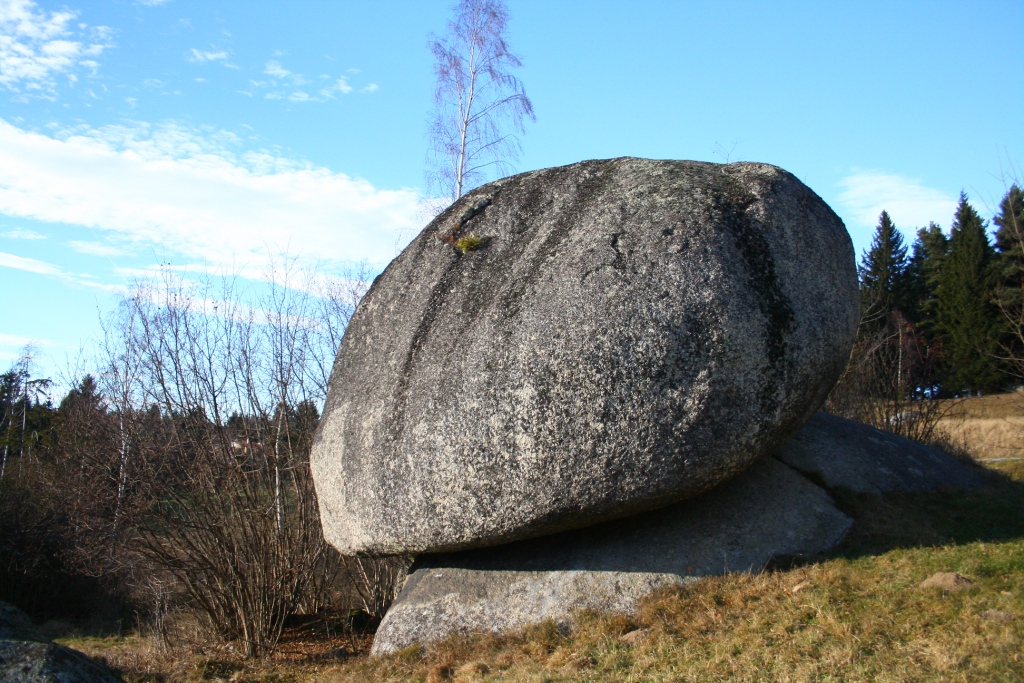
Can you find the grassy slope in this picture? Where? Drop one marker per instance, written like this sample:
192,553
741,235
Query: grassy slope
856,615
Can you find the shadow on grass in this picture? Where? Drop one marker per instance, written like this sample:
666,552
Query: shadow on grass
908,520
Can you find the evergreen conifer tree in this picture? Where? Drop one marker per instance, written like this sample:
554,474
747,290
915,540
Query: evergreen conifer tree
883,275
966,316
1010,222
1010,267
928,253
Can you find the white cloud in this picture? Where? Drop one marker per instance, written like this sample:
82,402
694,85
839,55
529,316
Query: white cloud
284,83
31,265
22,234
96,248
910,203
14,346
192,195
20,341
35,45
200,56
342,86
275,70
151,3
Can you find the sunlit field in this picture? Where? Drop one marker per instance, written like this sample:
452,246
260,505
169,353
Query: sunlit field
858,614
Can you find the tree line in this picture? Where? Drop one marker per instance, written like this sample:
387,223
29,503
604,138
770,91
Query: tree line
176,478
940,318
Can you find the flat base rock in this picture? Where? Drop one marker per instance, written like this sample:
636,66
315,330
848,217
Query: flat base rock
774,509
27,656
842,453
767,511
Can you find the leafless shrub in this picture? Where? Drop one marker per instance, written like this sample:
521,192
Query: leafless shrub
889,382
212,399
376,580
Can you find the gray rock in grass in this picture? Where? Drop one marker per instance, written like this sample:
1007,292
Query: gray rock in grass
27,656
842,453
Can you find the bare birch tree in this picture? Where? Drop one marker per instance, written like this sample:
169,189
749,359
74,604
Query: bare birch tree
477,98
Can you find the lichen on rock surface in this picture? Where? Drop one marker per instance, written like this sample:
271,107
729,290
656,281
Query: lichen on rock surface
634,333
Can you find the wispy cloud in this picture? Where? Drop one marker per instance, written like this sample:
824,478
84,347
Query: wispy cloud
200,56
13,347
275,70
910,203
22,234
341,85
151,3
194,195
286,84
97,249
31,265
19,341
37,45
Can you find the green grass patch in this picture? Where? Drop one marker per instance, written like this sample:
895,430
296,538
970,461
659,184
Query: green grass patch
470,243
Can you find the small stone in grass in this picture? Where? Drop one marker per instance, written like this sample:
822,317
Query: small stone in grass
634,637
996,615
947,581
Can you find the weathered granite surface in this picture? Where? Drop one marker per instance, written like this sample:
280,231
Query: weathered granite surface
846,454
27,656
771,510
630,333
768,511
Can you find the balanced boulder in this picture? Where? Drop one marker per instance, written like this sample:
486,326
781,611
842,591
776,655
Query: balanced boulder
579,344
780,508
766,512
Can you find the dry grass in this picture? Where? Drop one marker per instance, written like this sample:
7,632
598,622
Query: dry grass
856,615
986,427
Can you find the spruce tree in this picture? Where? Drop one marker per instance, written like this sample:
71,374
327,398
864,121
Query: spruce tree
1010,240
1010,222
1010,274
928,253
883,275
966,316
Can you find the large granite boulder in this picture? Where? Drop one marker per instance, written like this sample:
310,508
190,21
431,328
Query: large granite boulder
579,344
767,511
770,511
27,656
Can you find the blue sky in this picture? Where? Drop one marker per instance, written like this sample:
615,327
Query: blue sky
217,136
